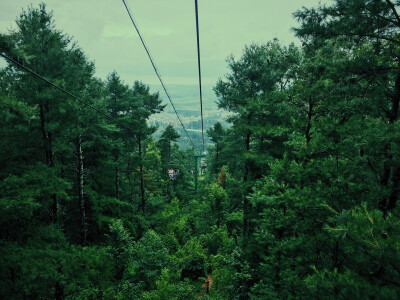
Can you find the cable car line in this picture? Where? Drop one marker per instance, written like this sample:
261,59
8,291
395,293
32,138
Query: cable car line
156,70
198,60
66,92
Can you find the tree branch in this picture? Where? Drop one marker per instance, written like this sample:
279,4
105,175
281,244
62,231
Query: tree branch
374,36
392,7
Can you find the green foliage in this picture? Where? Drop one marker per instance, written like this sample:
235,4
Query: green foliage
370,251
149,258
192,259
300,199
168,287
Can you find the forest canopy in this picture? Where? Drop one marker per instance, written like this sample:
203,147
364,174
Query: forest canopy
297,199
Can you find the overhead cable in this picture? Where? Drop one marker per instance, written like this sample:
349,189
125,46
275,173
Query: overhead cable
66,92
156,70
198,60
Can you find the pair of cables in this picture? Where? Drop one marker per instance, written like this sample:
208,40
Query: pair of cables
160,78
22,66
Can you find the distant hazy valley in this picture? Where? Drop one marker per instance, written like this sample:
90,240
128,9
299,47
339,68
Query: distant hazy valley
187,103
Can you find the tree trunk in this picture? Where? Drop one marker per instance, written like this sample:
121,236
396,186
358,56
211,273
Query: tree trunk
217,150
246,213
391,175
59,288
131,181
309,117
47,145
142,191
116,180
245,200
81,193
169,151
44,134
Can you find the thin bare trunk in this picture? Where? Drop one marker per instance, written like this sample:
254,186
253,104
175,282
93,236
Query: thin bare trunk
81,192
142,191
309,117
246,214
117,180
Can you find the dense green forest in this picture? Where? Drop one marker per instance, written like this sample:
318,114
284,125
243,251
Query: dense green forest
300,196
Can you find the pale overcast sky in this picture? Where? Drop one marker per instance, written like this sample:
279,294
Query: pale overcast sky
104,31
